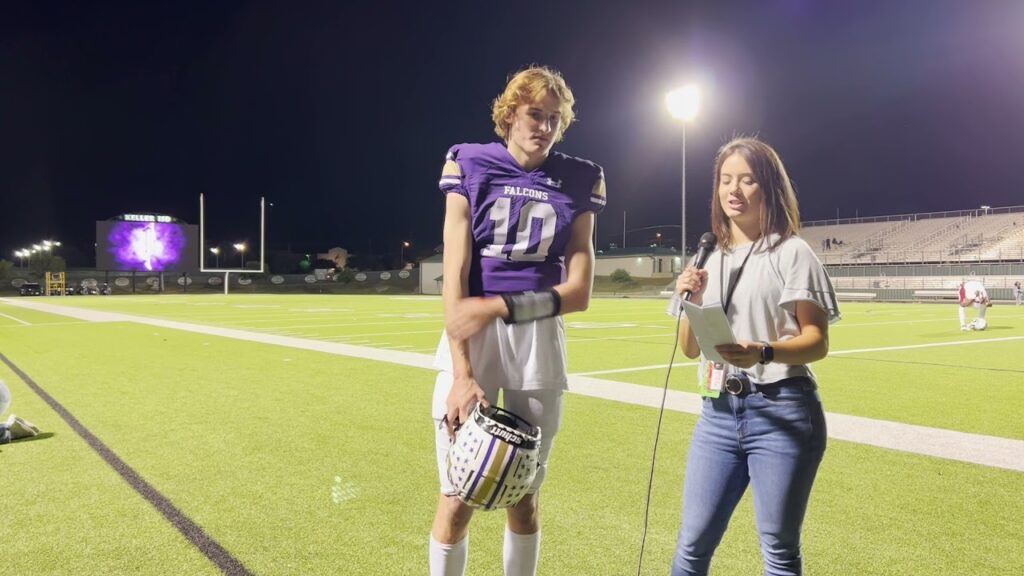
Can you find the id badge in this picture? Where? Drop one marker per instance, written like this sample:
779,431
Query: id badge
712,378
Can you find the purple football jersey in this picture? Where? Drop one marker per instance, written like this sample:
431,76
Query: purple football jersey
521,220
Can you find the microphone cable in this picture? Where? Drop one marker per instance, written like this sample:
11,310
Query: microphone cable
706,246
657,435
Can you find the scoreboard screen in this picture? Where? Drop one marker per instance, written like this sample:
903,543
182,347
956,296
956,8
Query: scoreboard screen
146,246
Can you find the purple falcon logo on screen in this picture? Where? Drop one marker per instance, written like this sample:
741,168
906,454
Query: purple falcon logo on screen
150,246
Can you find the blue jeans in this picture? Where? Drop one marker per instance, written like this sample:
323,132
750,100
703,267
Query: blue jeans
774,439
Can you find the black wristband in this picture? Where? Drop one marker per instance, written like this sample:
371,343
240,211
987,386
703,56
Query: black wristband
530,306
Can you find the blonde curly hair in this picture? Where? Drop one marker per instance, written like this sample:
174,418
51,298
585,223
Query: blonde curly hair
528,86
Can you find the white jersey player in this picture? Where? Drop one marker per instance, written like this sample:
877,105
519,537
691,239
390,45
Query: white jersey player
973,293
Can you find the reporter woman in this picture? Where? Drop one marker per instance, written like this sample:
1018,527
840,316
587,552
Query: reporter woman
762,422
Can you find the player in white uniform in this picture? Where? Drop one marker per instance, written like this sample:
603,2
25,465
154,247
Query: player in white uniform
973,293
14,428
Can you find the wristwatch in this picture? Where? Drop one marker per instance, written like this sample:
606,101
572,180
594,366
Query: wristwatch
767,353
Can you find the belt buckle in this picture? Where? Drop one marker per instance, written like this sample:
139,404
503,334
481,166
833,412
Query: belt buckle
735,384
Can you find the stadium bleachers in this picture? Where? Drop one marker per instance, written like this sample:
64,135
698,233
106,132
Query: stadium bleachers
963,236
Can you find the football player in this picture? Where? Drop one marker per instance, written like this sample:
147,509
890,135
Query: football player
517,255
15,428
973,293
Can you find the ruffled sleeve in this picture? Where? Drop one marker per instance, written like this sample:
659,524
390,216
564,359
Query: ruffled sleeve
805,280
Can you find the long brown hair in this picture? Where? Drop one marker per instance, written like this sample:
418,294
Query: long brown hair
780,213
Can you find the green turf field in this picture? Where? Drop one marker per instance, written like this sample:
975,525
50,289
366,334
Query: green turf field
304,462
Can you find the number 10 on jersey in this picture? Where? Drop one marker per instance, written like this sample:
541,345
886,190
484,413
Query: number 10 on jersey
523,241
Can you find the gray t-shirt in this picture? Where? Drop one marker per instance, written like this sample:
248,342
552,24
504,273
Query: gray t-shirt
763,305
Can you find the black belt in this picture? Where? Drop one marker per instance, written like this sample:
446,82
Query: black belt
739,384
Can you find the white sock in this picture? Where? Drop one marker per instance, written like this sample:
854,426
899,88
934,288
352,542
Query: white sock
448,559
963,316
522,552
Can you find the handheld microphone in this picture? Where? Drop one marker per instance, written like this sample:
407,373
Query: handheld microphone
705,247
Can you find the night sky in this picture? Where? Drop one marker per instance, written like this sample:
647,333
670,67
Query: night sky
340,112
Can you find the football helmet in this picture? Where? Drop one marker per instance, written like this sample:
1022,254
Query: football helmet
494,458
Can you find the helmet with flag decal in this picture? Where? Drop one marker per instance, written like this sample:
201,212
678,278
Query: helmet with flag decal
494,458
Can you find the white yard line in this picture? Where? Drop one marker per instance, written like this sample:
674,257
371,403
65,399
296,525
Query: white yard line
43,324
19,321
961,446
933,345
393,333
636,369
662,335
836,353
949,444
951,320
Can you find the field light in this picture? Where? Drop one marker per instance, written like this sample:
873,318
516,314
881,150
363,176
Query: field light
241,250
683,104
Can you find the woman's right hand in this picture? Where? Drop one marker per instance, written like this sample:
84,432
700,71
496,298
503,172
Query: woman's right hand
694,280
465,394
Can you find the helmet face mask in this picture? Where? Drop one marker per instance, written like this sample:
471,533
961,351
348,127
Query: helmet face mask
494,458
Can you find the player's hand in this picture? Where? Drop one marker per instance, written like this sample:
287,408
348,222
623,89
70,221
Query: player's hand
465,394
742,354
694,280
470,315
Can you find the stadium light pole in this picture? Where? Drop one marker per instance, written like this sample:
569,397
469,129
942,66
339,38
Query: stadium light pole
683,104
241,250
401,259
216,256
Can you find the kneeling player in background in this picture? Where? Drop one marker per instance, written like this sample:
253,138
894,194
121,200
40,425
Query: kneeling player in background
973,293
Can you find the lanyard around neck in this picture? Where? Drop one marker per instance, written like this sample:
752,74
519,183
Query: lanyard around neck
733,281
